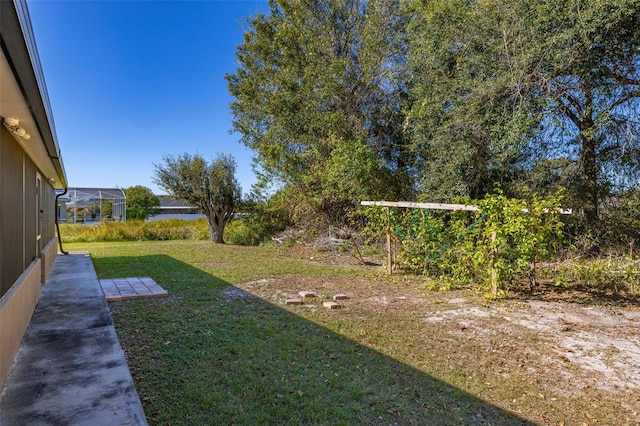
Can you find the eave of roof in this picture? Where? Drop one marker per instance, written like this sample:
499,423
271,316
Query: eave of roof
24,94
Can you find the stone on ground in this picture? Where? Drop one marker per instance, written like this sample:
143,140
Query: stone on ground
307,293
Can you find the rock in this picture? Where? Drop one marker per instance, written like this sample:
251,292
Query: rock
306,293
293,302
331,305
340,297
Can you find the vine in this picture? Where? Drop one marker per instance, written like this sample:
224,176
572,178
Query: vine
493,246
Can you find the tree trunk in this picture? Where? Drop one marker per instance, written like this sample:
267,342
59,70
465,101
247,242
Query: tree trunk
216,227
590,170
587,129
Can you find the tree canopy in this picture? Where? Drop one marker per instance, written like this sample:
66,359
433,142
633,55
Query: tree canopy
349,99
141,202
508,87
314,79
211,186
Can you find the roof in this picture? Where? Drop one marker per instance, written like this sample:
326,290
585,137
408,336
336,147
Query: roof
95,194
169,202
24,93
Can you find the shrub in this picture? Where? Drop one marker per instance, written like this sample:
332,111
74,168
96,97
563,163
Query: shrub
136,230
243,232
492,246
238,231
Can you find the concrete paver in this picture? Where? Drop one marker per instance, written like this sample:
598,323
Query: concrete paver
70,368
130,288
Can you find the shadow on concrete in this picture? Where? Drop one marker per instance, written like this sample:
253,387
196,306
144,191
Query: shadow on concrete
70,368
211,353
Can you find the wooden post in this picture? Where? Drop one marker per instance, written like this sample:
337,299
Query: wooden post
389,257
494,261
532,274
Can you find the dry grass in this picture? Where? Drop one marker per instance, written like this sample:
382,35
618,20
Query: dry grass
224,348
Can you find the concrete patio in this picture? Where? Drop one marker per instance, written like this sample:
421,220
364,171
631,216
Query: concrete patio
70,368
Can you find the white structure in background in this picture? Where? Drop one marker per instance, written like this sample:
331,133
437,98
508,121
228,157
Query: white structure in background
91,205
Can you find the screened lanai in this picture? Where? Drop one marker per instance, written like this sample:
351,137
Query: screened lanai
90,205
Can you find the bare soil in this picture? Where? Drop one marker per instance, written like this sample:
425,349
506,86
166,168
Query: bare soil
564,356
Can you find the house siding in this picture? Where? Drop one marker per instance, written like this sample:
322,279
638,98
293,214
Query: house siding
25,261
12,233
29,211
19,244
49,212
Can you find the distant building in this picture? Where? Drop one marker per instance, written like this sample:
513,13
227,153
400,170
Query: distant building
175,208
173,205
31,173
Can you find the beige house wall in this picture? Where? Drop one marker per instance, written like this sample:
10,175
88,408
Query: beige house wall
17,306
48,257
16,309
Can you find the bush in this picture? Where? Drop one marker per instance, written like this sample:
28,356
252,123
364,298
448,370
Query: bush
620,221
136,230
243,232
238,231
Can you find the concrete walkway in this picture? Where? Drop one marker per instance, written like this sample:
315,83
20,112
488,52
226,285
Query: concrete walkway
70,368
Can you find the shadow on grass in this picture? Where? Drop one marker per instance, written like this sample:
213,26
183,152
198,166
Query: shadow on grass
579,294
211,353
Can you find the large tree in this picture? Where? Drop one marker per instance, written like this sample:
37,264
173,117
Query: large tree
211,186
505,88
589,75
472,113
314,78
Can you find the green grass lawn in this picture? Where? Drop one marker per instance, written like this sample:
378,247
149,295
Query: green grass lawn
211,353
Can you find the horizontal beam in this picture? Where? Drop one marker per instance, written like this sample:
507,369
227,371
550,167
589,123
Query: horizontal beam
409,204
437,206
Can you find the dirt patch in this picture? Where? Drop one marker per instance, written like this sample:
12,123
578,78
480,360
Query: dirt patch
586,352
231,293
603,342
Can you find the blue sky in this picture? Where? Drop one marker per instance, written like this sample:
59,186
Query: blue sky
133,81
